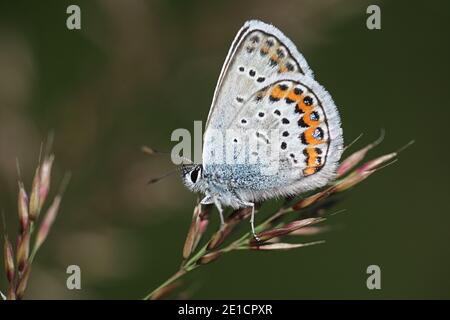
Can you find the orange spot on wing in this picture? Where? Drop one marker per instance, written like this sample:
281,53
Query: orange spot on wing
312,156
309,138
309,171
307,119
277,92
275,58
294,97
304,107
312,166
298,98
282,69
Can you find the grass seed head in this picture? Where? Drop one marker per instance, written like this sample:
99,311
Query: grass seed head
35,206
8,256
23,208
47,222
23,250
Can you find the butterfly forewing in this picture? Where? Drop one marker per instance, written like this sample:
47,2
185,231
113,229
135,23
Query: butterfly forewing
259,52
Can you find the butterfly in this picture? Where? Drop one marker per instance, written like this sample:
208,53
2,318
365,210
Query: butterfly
266,101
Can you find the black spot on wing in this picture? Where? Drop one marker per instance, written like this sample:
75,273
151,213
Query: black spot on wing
308,100
254,39
288,101
273,62
273,99
290,66
302,123
281,54
298,91
303,138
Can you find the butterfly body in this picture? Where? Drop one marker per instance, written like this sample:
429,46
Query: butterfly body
234,185
272,130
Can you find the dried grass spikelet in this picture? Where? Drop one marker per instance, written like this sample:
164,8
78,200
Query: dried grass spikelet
27,245
284,230
273,230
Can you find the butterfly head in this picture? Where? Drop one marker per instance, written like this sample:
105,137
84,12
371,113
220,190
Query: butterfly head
192,175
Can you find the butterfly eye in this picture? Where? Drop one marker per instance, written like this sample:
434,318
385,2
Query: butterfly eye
194,174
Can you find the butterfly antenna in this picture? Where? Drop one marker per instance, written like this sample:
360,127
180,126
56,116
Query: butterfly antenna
151,151
168,174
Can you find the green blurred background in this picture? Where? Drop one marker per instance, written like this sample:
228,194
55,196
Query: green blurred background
137,70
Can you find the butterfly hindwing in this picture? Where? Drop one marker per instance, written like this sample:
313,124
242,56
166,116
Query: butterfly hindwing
296,116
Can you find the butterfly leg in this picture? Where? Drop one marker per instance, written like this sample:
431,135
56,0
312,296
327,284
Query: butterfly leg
210,200
219,208
252,219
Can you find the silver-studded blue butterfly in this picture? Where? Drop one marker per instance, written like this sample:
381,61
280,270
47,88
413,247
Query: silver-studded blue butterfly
266,102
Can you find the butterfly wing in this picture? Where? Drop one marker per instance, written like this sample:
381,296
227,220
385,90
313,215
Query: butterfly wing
266,86
296,117
258,52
